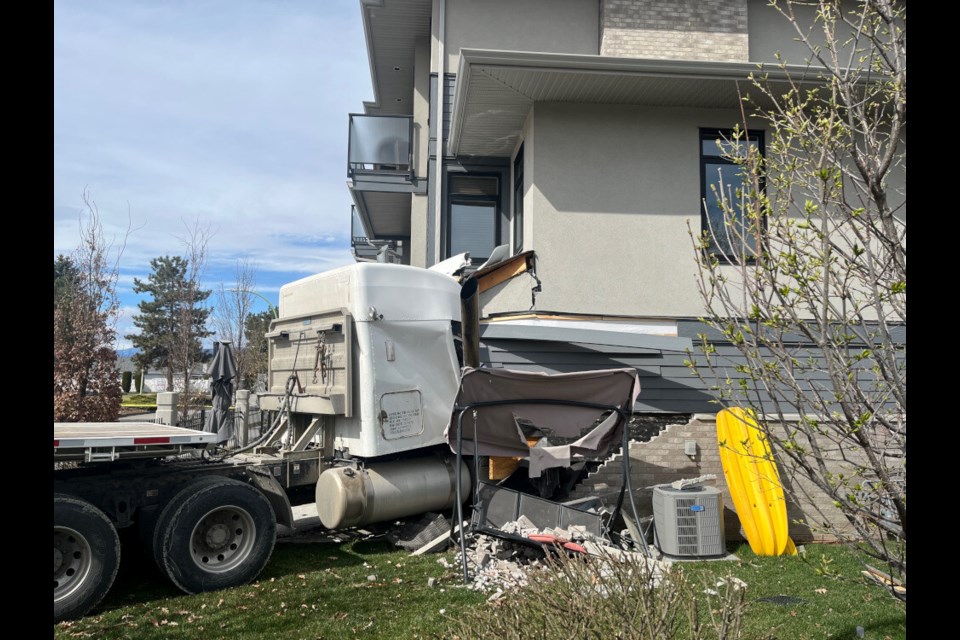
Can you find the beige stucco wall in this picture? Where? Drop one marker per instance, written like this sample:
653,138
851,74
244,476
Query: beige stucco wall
612,188
421,105
609,192
554,26
417,247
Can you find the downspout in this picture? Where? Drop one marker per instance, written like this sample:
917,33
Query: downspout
438,165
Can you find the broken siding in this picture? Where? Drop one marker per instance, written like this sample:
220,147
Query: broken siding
667,384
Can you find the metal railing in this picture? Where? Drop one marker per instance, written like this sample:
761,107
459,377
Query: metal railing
380,145
363,247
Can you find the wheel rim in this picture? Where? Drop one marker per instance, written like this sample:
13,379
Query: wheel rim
72,559
223,539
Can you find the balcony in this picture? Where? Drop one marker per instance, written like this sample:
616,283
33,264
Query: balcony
367,249
381,171
380,151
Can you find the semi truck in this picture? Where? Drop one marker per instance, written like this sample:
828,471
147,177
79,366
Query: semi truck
364,368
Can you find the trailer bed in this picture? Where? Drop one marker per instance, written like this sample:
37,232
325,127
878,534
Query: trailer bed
107,441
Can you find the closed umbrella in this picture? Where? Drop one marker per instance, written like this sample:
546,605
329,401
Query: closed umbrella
223,370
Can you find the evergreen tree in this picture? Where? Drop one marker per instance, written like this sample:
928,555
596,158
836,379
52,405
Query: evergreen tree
255,328
172,321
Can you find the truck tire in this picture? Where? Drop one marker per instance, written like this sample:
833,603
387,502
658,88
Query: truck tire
86,556
153,528
221,535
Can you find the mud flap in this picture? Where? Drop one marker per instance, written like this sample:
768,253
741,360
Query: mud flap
271,489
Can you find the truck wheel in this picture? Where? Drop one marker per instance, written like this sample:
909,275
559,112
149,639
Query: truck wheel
221,535
153,528
86,556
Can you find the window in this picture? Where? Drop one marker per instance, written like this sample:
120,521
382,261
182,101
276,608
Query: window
717,170
474,218
518,201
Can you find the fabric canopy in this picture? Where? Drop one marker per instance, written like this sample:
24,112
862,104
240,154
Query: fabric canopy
521,408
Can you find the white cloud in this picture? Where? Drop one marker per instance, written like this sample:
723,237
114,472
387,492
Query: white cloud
229,114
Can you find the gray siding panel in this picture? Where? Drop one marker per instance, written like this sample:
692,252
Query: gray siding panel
667,384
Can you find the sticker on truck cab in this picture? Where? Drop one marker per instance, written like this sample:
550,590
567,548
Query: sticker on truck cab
401,415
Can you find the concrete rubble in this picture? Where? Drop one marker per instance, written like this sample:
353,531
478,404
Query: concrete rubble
497,565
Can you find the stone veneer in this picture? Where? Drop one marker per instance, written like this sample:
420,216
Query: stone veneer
661,460
675,29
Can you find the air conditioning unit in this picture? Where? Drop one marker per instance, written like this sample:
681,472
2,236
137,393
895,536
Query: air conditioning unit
689,522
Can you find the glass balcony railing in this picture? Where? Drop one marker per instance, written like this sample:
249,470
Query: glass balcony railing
380,145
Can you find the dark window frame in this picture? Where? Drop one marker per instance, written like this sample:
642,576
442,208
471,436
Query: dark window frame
712,134
518,187
455,198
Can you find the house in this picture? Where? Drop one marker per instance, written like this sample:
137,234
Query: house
156,381
580,134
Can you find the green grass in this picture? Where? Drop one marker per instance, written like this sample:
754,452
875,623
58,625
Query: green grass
321,591
139,400
830,607
306,591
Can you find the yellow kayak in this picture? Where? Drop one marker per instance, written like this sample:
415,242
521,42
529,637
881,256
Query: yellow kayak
754,483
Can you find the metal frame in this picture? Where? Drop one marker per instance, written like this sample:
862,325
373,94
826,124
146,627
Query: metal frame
353,170
625,487
704,134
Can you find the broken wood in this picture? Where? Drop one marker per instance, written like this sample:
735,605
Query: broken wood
884,579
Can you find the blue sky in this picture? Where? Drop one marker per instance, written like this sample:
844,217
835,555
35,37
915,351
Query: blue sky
230,115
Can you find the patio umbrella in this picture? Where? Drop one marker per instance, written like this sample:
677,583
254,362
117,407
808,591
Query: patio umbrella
223,370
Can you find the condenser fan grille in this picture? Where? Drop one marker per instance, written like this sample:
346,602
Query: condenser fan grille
689,522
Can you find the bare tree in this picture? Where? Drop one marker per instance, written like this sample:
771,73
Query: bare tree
809,284
86,384
233,306
192,308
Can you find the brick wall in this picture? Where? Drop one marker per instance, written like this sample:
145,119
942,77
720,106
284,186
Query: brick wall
675,29
662,460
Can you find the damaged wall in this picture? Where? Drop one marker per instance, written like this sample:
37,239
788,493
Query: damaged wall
662,460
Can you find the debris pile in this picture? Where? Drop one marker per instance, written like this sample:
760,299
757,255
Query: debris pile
497,564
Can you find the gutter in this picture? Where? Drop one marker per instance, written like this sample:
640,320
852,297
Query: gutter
438,165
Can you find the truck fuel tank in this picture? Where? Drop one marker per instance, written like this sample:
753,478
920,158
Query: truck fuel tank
350,497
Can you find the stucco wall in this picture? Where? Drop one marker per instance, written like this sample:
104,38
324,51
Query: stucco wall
612,189
421,105
554,26
675,29
417,248
770,32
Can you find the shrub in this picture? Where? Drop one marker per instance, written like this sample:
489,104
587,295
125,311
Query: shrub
616,595
125,380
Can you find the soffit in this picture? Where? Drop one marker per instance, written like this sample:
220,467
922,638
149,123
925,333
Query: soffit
385,214
391,28
496,89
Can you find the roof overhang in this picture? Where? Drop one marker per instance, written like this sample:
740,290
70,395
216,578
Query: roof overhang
496,89
390,30
385,214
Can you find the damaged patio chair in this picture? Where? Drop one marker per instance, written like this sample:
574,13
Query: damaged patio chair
505,413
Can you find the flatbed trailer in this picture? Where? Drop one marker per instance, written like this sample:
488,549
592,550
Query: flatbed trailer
109,441
208,522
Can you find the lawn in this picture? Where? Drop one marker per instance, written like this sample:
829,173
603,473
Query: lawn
369,589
